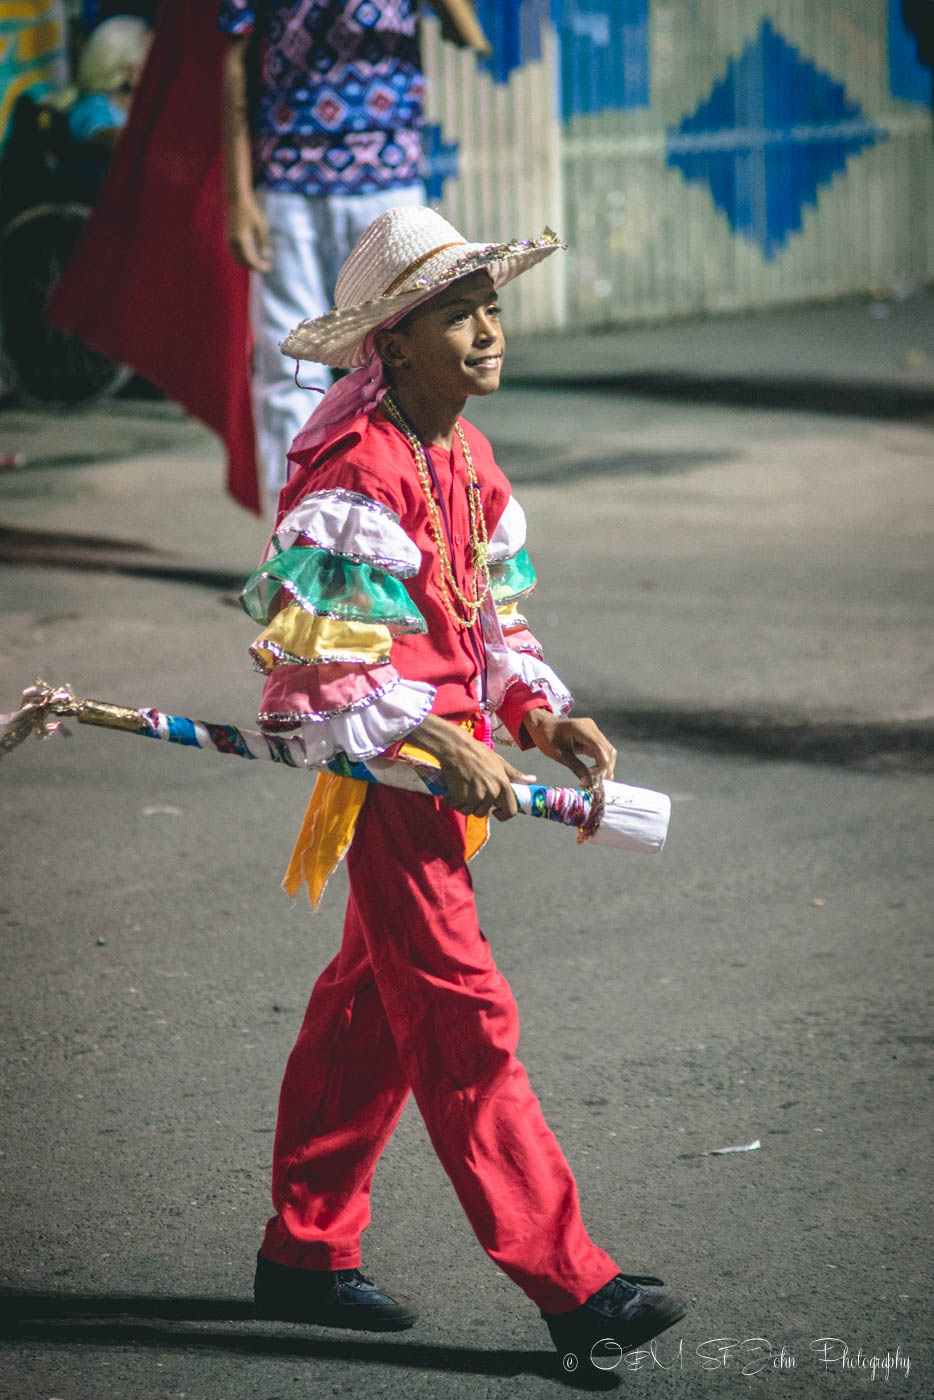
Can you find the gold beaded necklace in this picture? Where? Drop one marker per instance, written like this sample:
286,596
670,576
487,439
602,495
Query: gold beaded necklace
454,600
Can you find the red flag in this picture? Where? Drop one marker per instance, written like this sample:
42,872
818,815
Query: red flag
152,282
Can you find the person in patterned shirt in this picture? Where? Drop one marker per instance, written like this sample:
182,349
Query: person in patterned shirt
328,140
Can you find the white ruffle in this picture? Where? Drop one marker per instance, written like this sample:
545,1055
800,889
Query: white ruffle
532,647
504,667
534,673
352,526
538,675
364,733
510,534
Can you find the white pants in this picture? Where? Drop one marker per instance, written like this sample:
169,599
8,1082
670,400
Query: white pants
311,235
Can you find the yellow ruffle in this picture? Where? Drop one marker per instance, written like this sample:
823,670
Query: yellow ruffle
323,639
329,824
510,616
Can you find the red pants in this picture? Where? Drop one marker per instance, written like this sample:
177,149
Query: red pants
414,1001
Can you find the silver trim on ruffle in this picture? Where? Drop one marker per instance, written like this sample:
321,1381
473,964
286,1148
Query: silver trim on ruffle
497,559
535,651
313,717
564,698
397,735
353,498
397,567
411,624
289,658
504,599
500,551
400,568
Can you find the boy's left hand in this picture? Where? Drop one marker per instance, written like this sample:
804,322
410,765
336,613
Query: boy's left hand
563,739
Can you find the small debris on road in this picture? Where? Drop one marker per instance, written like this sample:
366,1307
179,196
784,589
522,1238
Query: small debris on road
721,1151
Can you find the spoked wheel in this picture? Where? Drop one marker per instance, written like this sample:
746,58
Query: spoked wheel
42,365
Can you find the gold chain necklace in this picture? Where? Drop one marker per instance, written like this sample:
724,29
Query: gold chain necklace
452,597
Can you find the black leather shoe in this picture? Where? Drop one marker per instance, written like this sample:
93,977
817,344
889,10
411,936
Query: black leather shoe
338,1298
621,1312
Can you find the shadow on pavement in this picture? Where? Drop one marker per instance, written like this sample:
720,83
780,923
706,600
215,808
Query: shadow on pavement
63,1319
858,398
96,457
16,541
535,465
102,555
877,744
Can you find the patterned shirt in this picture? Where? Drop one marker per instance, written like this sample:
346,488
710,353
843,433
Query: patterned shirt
340,93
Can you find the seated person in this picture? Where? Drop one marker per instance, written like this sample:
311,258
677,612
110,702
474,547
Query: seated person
108,72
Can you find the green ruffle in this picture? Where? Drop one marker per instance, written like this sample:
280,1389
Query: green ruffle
512,579
329,586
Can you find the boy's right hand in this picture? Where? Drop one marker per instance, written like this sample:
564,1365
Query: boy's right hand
478,781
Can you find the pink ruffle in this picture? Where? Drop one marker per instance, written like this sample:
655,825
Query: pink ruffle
521,639
321,691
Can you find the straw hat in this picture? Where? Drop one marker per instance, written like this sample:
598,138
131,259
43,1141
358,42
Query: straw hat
396,262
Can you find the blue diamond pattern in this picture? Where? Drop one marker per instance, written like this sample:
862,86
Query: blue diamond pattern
604,46
772,131
366,14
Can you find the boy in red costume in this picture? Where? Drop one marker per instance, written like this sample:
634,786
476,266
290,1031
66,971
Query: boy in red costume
391,590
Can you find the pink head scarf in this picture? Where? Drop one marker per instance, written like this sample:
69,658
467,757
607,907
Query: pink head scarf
358,392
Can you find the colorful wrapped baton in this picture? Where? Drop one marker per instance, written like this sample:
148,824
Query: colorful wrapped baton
616,816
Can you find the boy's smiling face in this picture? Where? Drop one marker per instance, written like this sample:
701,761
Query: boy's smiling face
452,344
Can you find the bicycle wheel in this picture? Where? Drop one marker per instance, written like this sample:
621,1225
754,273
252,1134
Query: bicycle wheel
42,365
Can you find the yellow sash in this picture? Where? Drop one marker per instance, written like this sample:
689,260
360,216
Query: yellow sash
329,824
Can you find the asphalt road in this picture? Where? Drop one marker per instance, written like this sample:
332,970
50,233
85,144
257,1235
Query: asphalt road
764,979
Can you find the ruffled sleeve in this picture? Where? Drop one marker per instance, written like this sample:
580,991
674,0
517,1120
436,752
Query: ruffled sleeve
519,680
331,593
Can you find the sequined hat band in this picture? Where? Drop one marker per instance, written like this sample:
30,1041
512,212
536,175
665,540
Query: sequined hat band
414,248
418,262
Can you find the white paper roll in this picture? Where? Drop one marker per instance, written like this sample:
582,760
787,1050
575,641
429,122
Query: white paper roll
634,819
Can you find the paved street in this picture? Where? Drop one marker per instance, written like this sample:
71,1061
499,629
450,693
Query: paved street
744,594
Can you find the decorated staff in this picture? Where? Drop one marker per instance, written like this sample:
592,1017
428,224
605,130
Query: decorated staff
615,816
